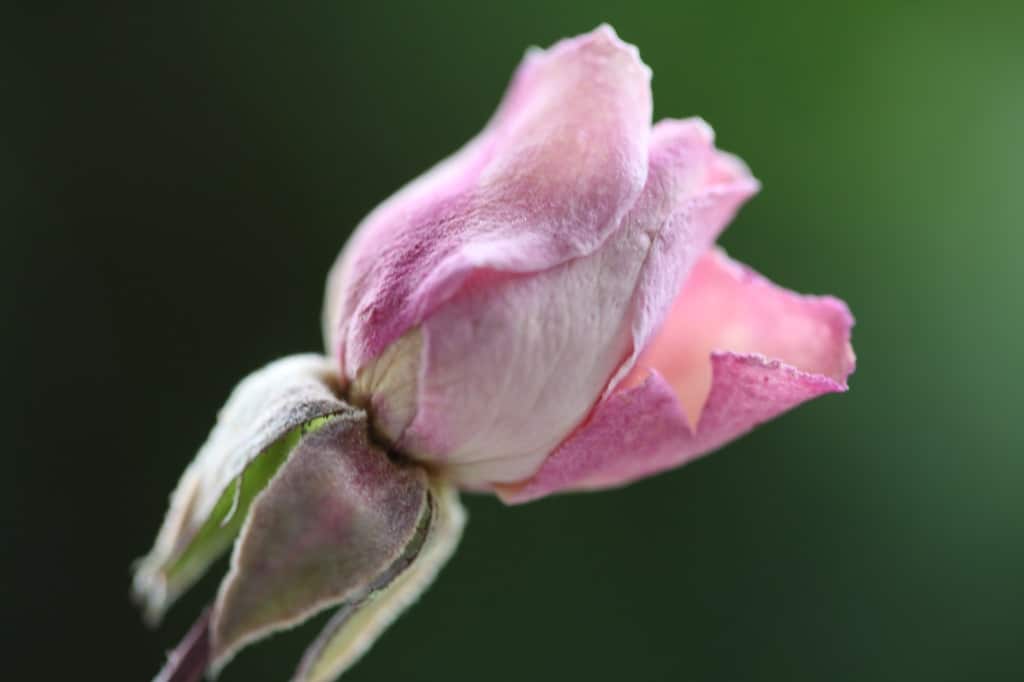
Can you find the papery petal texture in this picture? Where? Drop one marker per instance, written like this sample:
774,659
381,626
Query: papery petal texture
735,351
548,180
726,307
693,191
544,311
510,368
496,306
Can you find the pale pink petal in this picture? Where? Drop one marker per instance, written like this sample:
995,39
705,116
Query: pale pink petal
547,181
509,367
703,187
633,433
726,306
736,351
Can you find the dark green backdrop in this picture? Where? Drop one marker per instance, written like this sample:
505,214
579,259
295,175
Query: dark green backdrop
176,180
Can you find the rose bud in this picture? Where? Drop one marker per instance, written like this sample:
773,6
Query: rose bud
544,311
498,316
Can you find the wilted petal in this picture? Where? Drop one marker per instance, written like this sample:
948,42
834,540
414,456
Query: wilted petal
626,437
693,191
265,415
735,352
728,308
512,366
549,178
509,369
336,516
358,624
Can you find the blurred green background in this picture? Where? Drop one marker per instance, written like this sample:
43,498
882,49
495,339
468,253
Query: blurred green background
177,179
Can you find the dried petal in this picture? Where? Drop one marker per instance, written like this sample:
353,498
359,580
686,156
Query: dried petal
547,181
335,517
726,307
358,624
261,422
736,351
511,368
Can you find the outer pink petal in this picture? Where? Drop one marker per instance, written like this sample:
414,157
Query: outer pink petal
633,433
705,187
512,367
746,349
548,180
726,306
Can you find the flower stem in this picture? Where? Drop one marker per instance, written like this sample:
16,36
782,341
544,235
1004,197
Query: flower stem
190,659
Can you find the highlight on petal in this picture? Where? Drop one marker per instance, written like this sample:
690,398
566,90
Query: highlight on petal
332,521
736,351
549,178
263,420
358,624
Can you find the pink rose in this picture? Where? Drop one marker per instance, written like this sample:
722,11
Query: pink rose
545,310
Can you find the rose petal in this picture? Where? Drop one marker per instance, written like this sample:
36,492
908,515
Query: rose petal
203,517
547,181
628,436
790,349
338,513
357,625
513,363
726,306
695,190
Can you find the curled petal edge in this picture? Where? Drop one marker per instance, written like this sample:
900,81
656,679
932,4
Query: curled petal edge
666,415
548,180
640,431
